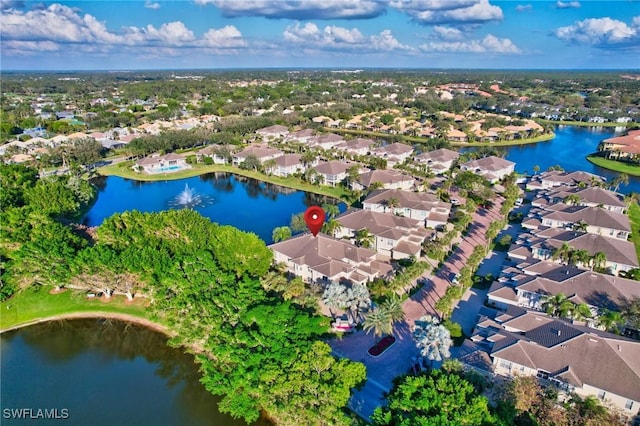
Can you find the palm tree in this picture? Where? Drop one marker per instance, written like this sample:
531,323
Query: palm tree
433,339
562,252
611,321
536,169
378,321
579,257
393,307
334,297
331,227
364,238
581,312
357,299
622,178
331,210
580,226
557,305
391,202
281,233
572,199
308,158
598,261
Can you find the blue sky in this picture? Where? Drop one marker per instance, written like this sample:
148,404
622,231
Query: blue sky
468,34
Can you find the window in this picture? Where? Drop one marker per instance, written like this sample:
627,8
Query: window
628,405
505,364
601,395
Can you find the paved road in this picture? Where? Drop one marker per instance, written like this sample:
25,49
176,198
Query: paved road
399,358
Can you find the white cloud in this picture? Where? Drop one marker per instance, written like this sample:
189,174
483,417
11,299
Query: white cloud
300,10
449,12
600,31
227,37
568,5
340,38
523,7
49,29
489,44
151,5
447,33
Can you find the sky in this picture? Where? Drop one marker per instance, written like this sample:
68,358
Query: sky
214,34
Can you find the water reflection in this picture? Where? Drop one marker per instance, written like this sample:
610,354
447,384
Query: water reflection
104,372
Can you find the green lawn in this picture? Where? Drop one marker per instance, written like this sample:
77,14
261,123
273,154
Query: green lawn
634,216
36,303
405,138
198,169
587,124
616,166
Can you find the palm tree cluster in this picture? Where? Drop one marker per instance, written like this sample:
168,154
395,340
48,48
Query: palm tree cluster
567,254
355,299
432,338
380,320
558,305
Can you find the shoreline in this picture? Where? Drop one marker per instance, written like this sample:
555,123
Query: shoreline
94,314
333,192
613,165
414,139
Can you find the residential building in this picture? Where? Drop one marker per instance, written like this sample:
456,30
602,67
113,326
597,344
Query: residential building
421,206
216,153
262,152
529,289
594,220
574,358
553,178
438,161
156,163
271,132
394,153
322,259
287,165
390,179
326,141
395,237
593,196
627,146
301,136
542,243
357,146
491,168
332,173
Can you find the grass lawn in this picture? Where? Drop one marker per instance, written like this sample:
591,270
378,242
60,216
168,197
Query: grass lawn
199,169
634,216
36,303
616,166
541,138
586,124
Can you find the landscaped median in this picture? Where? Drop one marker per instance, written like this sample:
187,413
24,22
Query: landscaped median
616,166
124,170
36,304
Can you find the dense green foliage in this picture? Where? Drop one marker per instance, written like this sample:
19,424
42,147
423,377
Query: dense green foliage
258,351
435,398
34,245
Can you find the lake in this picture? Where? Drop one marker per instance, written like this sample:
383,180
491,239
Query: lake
103,372
568,149
227,199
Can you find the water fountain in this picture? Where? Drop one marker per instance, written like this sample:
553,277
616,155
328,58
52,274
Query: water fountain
189,198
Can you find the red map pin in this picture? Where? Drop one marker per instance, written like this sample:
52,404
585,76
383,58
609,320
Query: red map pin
314,217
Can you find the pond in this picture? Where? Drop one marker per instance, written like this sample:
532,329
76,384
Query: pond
103,372
568,149
228,199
